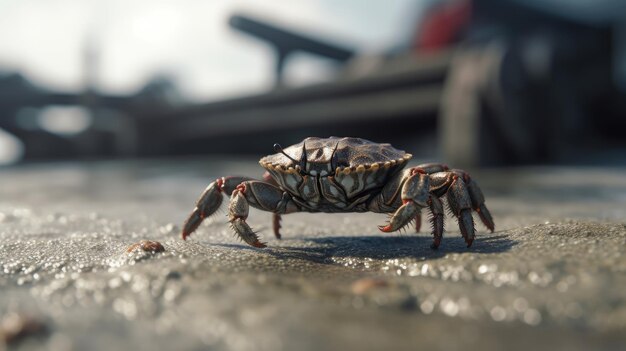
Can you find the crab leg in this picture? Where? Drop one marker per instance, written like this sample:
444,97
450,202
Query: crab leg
238,213
436,208
267,177
418,221
276,225
454,187
261,195
414,196
461,205
478,203
209,202
477,198
430,168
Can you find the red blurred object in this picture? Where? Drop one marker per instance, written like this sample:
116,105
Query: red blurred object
443,25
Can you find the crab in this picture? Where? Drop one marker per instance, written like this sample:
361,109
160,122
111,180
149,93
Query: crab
346,175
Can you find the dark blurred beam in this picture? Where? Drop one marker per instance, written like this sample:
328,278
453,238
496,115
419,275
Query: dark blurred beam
357,109
285,42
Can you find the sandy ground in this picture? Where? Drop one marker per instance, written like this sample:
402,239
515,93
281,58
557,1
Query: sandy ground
552,276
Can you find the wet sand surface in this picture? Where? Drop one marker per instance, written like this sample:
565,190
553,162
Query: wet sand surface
552,275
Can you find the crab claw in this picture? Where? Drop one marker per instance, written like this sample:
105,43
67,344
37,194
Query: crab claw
401,217
191,224
207,204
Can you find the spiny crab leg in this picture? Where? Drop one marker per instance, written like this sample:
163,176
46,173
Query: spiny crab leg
418,221
436,208
276,225
461,191
210,201
476,198
262,195
461,205
244,192
463,196
237,215
478,204
414,196
275,216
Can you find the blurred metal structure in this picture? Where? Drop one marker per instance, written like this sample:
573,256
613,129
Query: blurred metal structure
406,89
287,42
112,133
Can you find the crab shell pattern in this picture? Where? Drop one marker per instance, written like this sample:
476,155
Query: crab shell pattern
346,175
334,174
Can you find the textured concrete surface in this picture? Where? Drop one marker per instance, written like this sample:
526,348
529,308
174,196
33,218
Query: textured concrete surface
552,276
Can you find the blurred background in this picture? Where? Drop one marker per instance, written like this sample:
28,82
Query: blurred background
470,82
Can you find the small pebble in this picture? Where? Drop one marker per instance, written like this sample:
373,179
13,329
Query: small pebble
146,245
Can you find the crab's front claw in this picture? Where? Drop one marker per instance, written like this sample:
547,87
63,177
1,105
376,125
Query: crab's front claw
207,204
405,214
414,196
192,223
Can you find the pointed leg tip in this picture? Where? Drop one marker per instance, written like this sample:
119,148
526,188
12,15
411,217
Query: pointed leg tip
276,223
436,243
485,217
385,228
418,224
184,235
259,244
490,226
469,243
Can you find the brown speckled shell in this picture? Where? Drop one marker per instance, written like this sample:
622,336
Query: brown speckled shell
351,152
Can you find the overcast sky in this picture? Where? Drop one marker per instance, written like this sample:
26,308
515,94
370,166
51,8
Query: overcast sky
188,40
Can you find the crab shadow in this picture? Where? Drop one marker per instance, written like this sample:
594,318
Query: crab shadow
325,249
